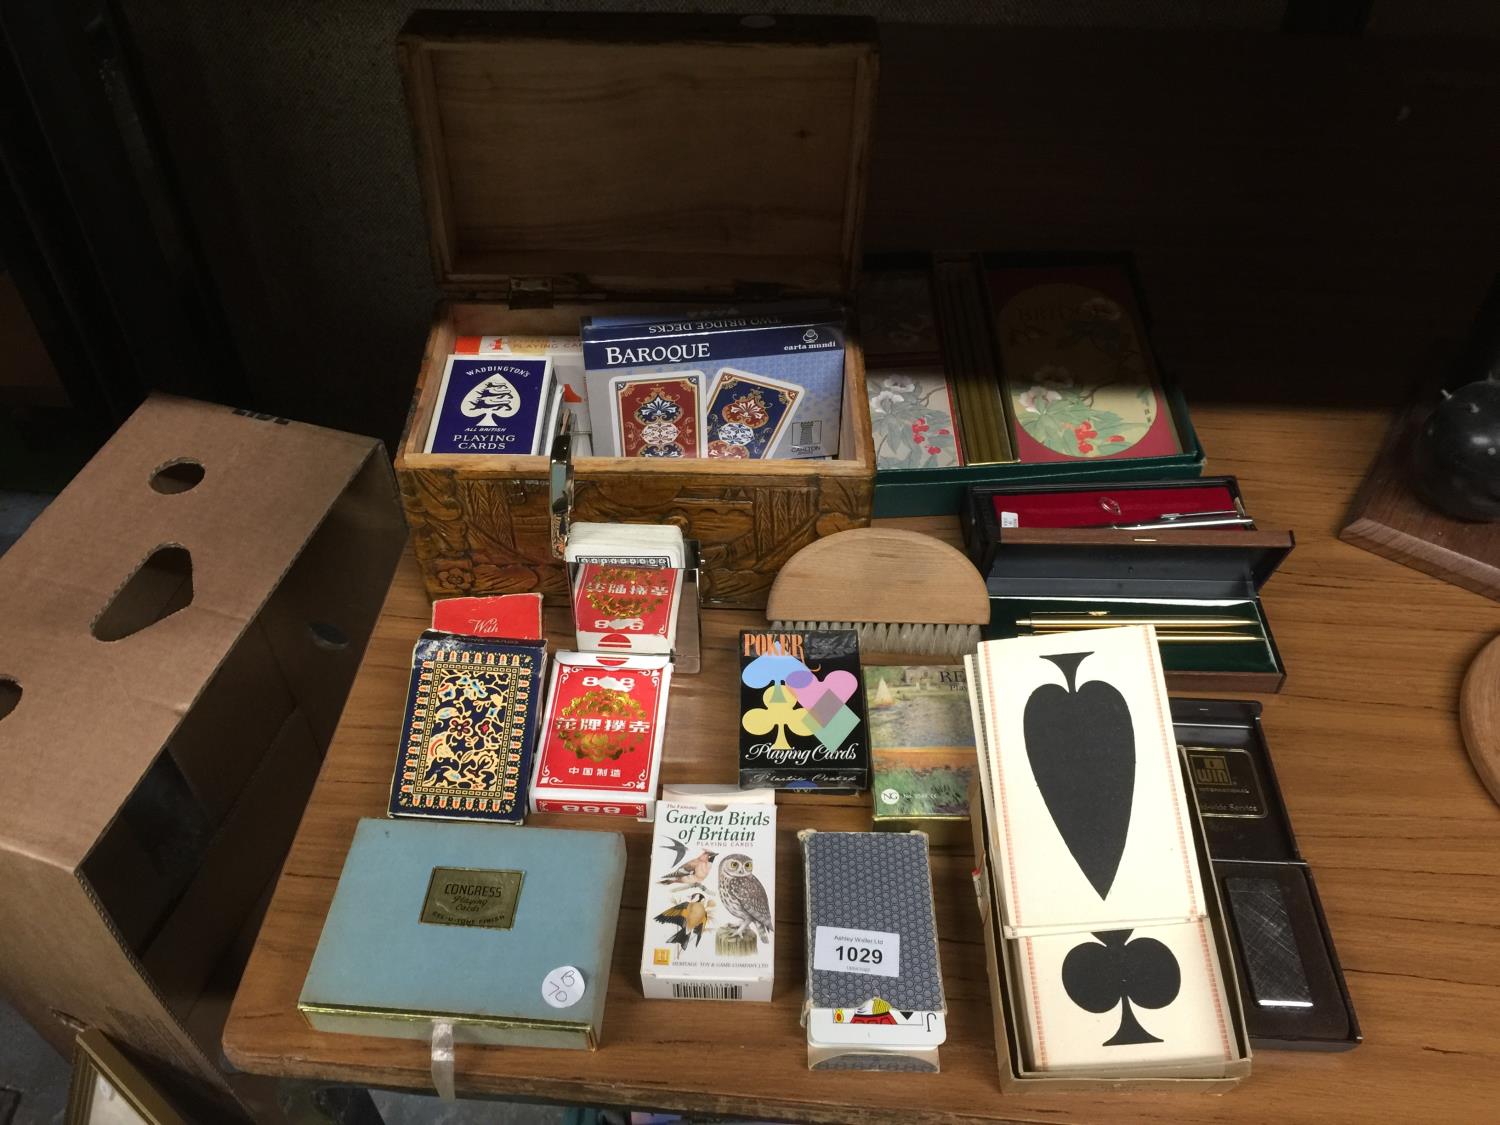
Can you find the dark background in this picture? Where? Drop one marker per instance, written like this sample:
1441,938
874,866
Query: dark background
1312,189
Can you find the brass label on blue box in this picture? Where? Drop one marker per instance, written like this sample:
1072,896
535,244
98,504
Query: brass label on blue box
1226,782
472,896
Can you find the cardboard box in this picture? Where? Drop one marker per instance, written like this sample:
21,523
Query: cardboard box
178,632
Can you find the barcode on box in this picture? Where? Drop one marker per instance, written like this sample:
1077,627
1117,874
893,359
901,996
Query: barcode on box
683,991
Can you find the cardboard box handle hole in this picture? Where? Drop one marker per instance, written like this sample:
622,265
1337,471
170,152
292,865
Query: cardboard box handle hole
10,695
326,636
160,586
177,476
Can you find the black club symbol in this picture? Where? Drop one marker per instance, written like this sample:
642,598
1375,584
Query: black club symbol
1112,970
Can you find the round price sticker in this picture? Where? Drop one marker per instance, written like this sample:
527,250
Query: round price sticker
563,987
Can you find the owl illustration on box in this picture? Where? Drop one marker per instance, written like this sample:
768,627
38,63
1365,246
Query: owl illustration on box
744,896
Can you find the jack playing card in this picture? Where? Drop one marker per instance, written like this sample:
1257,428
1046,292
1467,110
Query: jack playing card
874,985
657,415
601,741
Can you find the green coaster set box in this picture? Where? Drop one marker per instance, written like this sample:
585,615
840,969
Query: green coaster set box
974,357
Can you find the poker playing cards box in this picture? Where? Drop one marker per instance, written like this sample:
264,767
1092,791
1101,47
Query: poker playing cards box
600,743
802,711
711,898
758,383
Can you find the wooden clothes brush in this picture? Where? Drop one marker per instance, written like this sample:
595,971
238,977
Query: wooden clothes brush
901,591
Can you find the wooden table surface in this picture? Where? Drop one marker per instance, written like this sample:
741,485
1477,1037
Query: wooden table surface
1403,839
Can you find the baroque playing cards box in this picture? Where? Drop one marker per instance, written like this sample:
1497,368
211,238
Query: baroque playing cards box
506,936
472,708
802,711
600,744
1110,936
711,896
757,383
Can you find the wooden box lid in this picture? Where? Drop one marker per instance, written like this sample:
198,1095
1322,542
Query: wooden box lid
650,154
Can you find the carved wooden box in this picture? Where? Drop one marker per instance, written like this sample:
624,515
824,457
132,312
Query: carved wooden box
602,164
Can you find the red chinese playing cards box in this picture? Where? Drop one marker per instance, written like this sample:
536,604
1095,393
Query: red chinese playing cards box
620,607
601,740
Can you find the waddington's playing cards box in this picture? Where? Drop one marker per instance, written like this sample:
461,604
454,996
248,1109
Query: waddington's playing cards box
711,898
505,405
566,353
764,383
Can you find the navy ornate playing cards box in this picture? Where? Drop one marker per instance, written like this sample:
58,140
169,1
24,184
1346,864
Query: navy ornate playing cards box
802,712
503,405
471,716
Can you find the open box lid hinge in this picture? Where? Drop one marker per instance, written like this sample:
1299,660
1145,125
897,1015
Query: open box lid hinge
536,292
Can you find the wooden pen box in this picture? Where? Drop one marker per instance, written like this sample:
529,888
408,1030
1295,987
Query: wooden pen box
1092,567
579,165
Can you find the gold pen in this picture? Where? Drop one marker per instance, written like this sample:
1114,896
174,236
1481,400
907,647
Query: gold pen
1095,619
1166,638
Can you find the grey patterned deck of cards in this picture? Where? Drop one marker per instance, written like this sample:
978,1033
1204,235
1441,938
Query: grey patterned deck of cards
869,903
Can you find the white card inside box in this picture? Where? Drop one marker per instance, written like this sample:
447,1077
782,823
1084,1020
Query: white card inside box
1091,825
876,1025
1124,1001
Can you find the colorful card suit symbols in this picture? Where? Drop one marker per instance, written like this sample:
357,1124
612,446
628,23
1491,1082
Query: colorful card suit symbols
825,700
771,668
780,714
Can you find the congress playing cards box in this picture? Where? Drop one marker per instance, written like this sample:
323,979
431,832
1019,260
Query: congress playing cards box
763,383
802,711
600,743
711,897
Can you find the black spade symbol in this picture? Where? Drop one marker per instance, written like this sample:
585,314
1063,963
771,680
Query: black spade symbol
1112,970
1081,746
